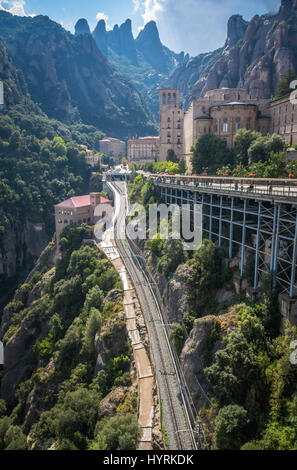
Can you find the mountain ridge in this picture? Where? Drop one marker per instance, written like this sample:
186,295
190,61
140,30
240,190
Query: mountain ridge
71,79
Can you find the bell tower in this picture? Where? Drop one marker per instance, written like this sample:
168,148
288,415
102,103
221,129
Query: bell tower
171,123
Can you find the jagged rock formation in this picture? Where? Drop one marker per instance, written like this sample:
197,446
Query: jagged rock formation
146,47
145,60
199,352
100,36
149,43
121,41
256,56
66,73
82,27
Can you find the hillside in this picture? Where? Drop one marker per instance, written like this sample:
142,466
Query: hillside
67,384
40,165
256,56
71,79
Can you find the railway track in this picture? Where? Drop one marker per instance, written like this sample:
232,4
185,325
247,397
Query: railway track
175,413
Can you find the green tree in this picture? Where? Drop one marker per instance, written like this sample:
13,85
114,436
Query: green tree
210,152
173,256
117,433
231,426
182,166
177,336
242,141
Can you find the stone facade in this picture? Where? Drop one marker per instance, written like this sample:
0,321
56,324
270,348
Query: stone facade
113,147
171,123
76,211
222,112
144,149
284,119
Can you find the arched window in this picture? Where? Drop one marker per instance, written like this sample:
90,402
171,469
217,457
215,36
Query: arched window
237,124
169,98
215,126
174,98
164,98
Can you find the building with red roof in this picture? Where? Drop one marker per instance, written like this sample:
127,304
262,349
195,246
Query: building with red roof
78,210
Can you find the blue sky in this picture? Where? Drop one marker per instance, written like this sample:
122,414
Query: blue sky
191,25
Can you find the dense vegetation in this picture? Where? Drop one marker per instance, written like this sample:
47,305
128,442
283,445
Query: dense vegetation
254,154
56,400
210,153
253,384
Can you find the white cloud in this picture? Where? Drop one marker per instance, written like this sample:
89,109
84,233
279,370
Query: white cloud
102,16
137,5
16,7
152,9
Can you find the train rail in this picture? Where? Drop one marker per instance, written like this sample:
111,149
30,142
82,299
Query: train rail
175,412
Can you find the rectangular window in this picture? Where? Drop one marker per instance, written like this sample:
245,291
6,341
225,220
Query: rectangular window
225,127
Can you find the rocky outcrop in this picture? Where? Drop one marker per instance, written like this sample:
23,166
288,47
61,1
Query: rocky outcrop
121,41
105,343
199,351
82,27
20,244
236,30
256,56
17,352
149,43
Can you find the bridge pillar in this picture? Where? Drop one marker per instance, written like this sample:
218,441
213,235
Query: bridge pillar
256,276
221,221
243,239
231,229
210,217
276,224
293,271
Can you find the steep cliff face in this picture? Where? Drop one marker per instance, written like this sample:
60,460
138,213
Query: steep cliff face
149,43
66,73
256,56
13,80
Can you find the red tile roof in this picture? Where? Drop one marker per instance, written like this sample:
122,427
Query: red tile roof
81,201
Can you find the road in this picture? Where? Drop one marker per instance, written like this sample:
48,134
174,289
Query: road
175,415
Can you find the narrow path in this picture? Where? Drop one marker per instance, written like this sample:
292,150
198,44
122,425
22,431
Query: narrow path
143,366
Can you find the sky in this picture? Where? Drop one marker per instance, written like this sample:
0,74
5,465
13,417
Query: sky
193,26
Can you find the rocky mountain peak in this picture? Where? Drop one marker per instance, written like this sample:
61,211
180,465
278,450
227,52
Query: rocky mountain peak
121,41
82,27
100,36
237,27
148,42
